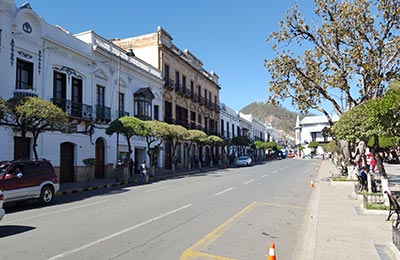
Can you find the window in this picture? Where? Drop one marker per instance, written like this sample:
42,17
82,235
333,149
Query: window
222,127
184,84
227,129
76,97
59,89
156,111
143,108
24,75
238,131
199,119
177,81
233,131
121,105
181,116
199,93
101,111
192,120
100,95
191,88
168,112
166,72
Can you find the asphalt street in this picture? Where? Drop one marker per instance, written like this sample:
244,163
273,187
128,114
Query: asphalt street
225,214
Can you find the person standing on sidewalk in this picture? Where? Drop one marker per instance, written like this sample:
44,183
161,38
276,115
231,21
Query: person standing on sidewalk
143,173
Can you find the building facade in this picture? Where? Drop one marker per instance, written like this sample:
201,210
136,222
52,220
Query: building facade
310,129
190,93
88,77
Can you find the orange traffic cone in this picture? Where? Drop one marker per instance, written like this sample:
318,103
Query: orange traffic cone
312,184
271,253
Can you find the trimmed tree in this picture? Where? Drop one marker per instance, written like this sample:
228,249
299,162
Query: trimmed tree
128,127
32,115
193,137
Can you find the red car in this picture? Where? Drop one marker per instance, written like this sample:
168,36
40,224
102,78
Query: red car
28,179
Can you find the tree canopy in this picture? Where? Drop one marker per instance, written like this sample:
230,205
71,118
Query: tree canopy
128,127
32,115
348,57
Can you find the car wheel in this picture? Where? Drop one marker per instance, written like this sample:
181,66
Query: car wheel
47,195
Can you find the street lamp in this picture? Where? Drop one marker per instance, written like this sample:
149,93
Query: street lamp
129,53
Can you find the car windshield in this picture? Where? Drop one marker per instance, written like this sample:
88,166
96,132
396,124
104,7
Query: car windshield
243,158
3,167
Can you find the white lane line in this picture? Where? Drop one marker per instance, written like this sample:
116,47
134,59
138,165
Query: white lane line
250,181
55,212
222,192
275,171
265,175
101,240
156,189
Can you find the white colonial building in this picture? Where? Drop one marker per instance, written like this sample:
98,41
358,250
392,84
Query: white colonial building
90,78
310,129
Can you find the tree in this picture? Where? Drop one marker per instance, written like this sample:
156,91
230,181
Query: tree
241,142
156,132
372,119
175,134
193,137
128,127
350,56
32,115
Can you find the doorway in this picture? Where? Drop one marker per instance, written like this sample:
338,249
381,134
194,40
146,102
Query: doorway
99,167
67,162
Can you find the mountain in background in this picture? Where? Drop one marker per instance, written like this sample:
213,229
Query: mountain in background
279,117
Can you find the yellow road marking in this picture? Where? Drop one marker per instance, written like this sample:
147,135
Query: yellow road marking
194,252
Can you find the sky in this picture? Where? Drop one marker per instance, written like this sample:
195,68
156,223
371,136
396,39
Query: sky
228,36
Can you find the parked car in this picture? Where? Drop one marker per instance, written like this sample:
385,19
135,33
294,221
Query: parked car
243,161
2,212
28,179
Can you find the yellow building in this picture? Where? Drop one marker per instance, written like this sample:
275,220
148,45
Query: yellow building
190,93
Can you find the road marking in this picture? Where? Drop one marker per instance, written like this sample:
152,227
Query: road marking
196,250
160,188
101,240
275,171
250,181
55,212
265,175
222,192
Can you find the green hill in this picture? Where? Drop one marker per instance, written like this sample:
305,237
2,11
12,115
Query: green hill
279,117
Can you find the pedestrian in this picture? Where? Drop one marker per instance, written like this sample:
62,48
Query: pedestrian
131,166
143,173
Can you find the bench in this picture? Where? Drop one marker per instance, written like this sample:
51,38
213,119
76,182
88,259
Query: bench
394,208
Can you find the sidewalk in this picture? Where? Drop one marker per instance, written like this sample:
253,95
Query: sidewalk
340,228
104,183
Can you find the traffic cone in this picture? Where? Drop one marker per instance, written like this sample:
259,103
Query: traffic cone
312,184
271,253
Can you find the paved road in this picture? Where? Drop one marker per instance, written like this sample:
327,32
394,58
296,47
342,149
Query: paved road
226,214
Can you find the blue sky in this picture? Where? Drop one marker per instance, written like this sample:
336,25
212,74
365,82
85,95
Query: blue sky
228,36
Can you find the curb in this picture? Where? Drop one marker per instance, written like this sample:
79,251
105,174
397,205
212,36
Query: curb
92,188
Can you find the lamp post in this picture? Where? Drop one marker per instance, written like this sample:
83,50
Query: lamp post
129,53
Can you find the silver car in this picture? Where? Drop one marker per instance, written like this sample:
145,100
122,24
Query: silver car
243,161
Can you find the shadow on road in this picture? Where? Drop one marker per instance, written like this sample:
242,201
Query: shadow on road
10,230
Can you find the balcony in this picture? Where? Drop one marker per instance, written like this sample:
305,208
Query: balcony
22,93
74,110
169,84
103,113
